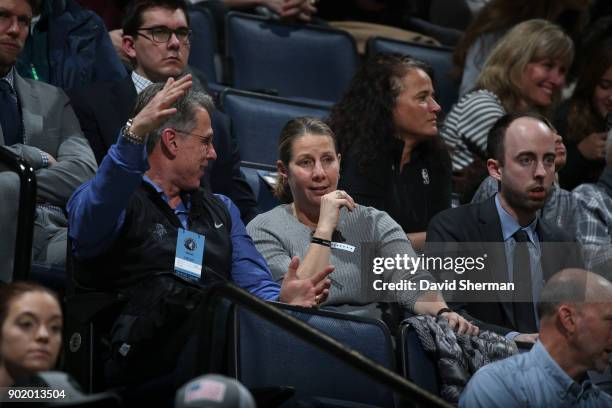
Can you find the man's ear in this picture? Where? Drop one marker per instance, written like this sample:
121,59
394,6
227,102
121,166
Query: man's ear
495,169
566,315
128,46
168,141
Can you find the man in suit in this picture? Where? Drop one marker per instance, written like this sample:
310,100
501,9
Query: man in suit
156,38
521,151
38,124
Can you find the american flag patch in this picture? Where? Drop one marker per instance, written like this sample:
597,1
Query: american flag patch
209,390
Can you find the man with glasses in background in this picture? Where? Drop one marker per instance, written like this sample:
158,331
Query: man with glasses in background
156,39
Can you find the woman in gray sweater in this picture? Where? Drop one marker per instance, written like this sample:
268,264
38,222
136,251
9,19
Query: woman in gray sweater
322,225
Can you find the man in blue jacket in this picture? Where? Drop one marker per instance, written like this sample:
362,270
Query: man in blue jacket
144,227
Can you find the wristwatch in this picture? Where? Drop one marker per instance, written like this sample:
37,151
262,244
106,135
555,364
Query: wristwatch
129,135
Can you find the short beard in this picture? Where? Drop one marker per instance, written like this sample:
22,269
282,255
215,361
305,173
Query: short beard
520,202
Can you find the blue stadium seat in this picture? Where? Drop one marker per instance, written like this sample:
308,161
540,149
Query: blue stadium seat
255,174
203,43
440,59
417,365
265,356
257,121
289,60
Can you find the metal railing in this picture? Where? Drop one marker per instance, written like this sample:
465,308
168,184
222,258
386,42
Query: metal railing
310,335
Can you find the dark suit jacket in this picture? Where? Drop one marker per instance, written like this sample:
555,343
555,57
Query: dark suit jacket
103,108
480,223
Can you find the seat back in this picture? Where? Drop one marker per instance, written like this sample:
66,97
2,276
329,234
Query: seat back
203,43
417,365
89,316
87,324
255,174
257,121
266,356
290,60
439,58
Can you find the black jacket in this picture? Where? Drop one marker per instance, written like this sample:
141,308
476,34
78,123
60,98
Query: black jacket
411,197
146,245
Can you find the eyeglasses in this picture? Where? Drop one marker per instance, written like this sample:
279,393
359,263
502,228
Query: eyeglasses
207,141
162,34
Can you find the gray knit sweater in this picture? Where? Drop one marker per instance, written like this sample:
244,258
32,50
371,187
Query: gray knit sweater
279,236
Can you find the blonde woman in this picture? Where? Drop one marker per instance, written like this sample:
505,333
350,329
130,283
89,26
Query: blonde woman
497,17
525,71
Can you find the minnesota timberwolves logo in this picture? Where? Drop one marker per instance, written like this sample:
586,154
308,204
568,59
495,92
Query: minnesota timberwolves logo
190,244
425,175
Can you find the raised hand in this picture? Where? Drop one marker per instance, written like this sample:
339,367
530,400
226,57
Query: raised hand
158,109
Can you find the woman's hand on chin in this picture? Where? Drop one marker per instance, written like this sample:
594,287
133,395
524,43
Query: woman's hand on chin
330,211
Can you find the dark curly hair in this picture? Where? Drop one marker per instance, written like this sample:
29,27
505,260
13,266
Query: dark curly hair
363,119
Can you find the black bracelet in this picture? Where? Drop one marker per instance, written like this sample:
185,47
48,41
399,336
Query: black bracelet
443,310
321,241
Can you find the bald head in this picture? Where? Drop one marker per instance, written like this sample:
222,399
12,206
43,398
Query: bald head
573,286
500,129
576,321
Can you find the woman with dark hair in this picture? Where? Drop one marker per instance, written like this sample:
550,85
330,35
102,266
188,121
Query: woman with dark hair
582,120
323,225
497,17
30,330
393,159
